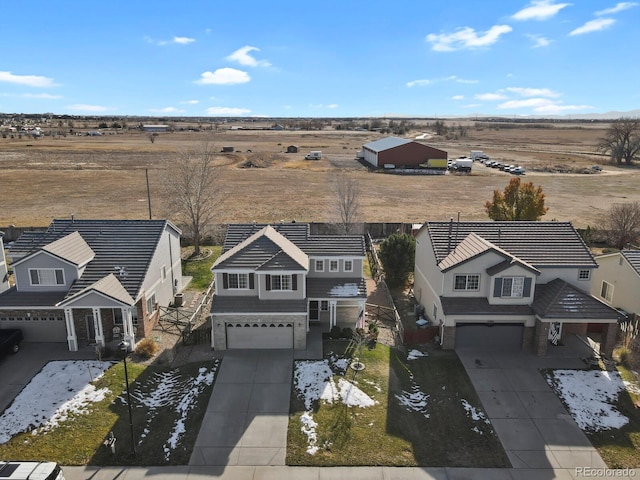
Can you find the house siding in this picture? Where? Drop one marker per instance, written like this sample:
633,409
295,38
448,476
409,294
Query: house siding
341,273
167,250
43,260
625,281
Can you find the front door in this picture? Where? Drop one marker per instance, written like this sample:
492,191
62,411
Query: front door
314,310
91,328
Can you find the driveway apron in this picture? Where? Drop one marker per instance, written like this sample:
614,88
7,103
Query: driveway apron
533,425
246,420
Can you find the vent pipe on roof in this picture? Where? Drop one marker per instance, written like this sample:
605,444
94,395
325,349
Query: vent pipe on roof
449,244
457,229
72,218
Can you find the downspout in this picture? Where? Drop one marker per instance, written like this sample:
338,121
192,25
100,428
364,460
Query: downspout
173,281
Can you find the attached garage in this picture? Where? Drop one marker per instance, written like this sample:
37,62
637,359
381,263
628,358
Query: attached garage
38,329
259,335
489,336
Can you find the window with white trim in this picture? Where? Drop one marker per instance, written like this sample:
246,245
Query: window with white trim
512,286
319,265
606,291
151,303
46,276
348,265
467,282
584,274
280,282
238,281
333,265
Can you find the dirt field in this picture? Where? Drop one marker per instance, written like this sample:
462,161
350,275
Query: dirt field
104,176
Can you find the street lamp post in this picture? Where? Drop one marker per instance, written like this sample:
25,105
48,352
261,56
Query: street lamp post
124,346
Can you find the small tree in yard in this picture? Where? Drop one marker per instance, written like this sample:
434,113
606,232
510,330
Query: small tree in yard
622,224
397,254
348,198
194,190
519,201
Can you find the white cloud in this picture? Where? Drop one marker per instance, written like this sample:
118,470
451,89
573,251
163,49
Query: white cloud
166,110
539,41
224,76
593,26
425,81
539,10
457,97
28,80
472,105
83,107
332,105
618,8
231,111
533,92
243,58
183,40
191,102
466,37
490,97
541,105
419,83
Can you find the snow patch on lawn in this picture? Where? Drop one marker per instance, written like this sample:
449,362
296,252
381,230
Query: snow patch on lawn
476,415
414,401
590,396
415,354
313,382
60,390
174,391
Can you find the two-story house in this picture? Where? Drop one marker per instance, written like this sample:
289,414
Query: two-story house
617,280
274,281
508,285
91,281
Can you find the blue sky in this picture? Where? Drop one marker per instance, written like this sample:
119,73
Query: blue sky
335,58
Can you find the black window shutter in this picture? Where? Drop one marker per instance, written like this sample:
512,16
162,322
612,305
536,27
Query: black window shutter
527,287
251,281
225,280
294,281
497,289
268,282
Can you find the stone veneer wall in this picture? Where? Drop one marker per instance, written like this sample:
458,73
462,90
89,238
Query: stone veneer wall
449,338
528,336
608,339
220,332
541,338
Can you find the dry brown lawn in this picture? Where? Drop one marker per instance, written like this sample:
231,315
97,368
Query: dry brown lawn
104,177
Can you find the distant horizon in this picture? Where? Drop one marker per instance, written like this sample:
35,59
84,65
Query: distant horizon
334,59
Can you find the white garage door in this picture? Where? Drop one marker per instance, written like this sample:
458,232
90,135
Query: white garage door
36,329
505,336
259,335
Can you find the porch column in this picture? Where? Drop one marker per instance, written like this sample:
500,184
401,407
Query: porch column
97,323
72,339
361,324
333,320
128,334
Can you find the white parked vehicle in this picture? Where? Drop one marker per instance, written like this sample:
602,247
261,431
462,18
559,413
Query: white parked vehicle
313,155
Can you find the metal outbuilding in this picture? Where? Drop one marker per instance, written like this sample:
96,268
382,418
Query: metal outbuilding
400,152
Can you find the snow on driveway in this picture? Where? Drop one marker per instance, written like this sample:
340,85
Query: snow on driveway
590,396
60,389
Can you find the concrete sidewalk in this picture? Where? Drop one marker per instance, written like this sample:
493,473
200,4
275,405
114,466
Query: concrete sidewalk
534,427
248,414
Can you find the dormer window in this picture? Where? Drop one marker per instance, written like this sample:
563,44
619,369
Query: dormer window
46,276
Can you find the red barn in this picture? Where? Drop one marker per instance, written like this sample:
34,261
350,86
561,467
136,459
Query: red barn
400,152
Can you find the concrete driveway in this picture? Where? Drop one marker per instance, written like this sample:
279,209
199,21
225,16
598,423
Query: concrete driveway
533,425
18,370
248,413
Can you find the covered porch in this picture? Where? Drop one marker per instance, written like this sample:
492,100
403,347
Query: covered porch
336,302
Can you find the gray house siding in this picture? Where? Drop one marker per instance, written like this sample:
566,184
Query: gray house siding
43,261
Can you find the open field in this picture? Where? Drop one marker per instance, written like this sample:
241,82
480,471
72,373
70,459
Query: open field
104,176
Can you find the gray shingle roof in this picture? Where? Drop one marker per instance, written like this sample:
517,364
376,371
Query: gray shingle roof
222,304
633,257
385,143
12,298
298,233
122,247
336,288
480,306
561,300
540,244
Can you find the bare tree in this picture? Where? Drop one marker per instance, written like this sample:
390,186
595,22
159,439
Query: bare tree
622,224
194,190
622,141
348,201
152,136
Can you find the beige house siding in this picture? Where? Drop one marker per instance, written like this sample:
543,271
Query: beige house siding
626,282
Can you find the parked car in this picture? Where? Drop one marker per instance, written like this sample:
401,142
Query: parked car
596,168
518,171
10,339
30,471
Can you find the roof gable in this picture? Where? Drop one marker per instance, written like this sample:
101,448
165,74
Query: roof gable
108,286
72,248
633,257
561,300
266,249
538,244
